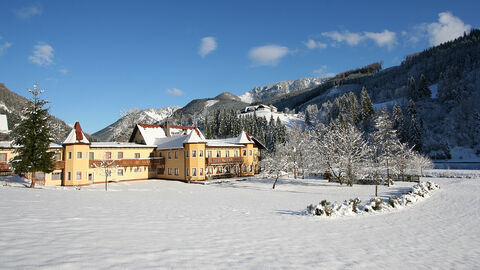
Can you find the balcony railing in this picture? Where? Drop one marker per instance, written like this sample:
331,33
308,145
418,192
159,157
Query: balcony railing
128,162
59,165
224,160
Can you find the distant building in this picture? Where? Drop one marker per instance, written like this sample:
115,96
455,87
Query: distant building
153,151
261,107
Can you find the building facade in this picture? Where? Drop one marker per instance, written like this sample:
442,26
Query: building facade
153,151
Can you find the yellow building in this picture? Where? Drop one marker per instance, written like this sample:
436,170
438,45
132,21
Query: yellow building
153,151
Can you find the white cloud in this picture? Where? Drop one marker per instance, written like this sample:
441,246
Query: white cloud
384,39
208,45
312,44
268,55
321,72
174,92
63,71
29,11
447,28
4,47
42,54
347,36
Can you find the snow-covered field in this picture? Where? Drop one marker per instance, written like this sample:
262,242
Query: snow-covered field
166,224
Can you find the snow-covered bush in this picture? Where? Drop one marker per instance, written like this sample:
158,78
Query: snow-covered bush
354,203
375,204
353,206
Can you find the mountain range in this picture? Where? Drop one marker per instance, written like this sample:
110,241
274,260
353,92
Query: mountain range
450,117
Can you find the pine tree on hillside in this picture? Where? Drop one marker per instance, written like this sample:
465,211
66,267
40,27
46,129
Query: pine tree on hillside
367,110
399,122
412,89
414,128
423,90
33,135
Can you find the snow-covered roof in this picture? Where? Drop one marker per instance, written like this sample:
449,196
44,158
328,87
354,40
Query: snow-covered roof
5,144
151,133
222,143
194,137
243,138
3,123
76,135
118,145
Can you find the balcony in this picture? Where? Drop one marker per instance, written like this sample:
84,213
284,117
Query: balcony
127,162
4,167
59,165
224,160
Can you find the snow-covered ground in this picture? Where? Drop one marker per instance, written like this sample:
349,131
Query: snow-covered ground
167,224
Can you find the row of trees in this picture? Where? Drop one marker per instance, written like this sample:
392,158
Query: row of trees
346,152
223,124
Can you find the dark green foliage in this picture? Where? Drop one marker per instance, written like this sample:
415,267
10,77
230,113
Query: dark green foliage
393,201
33,136
326,209
378,204
355,203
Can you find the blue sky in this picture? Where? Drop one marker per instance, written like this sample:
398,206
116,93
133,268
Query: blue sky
97,58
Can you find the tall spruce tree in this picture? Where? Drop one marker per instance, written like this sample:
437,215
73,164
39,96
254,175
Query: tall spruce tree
414,128
33,136
367,110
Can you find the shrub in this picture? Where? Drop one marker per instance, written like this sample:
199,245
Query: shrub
355,203
326,209
393,201
377,204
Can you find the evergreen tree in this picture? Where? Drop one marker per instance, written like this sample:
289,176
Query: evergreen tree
412,89
414,129
281,132
386,142
367,110
423,90
33,136
399,122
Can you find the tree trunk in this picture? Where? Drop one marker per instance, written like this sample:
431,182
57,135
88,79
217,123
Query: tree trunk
274,183
376,188
388,174
32,184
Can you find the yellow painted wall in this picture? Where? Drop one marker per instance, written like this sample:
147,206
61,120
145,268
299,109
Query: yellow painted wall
197,162
173,163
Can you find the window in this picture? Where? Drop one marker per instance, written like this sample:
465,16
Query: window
194,153
169,155
120,172
176,171
3,157
169,171
200,153
79,176
119,155
160,154
188,171
251,168
244,168
137,155
69,176
201,171
90,177
137,170
57,176
160,170
250,152
108,155
219,153
69,155
194,171
209,153
79,155
236,153
58,156
176,155
244,153
186,153
91,156
227,153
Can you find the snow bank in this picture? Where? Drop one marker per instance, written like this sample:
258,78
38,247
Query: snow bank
353,207
438,173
